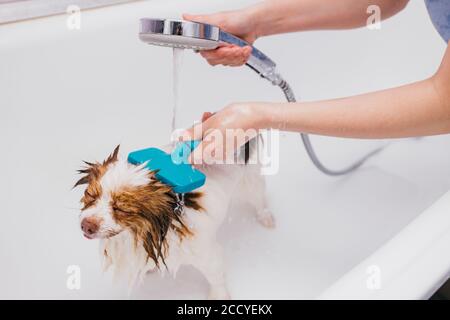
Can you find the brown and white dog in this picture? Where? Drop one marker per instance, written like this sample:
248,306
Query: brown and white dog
140,228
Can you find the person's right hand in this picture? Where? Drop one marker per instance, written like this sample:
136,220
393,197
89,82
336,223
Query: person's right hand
238,23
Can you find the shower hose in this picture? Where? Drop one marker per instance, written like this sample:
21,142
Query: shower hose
290,97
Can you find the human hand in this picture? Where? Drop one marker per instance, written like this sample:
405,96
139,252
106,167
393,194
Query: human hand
224,132
239,23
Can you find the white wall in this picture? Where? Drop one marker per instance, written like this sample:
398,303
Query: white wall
19,10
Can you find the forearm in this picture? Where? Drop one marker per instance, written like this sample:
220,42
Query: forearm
413,110
417,109
280,16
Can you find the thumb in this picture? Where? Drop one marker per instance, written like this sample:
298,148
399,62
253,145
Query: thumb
206,116
196,156
197,131
199,156
193,133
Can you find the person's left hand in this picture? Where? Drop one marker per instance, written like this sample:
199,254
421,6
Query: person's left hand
224,132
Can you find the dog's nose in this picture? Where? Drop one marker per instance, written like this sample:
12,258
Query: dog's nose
89,226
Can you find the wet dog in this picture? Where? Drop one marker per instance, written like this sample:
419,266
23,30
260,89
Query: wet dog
143,225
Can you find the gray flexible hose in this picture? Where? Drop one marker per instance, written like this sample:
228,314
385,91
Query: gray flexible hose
290,97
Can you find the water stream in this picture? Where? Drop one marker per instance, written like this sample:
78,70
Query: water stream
177,66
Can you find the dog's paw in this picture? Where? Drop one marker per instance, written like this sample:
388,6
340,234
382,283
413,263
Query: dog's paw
267,219
218,293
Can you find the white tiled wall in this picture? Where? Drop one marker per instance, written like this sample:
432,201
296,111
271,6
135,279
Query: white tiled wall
17,10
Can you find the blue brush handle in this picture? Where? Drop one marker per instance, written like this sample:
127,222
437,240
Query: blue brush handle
172,169
182,150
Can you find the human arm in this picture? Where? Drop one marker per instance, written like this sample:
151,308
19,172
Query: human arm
417,109
281,16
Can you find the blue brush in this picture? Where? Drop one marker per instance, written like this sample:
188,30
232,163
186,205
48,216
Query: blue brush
172,169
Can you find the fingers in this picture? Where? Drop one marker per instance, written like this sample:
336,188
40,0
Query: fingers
209,151
229,55
200,132
196,157
197,131
199,18
217,146
206,115
193,133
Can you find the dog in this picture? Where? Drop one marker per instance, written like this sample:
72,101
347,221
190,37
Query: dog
143,226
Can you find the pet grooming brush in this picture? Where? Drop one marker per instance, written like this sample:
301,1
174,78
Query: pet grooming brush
172,169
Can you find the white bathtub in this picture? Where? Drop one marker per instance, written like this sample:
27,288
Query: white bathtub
73,95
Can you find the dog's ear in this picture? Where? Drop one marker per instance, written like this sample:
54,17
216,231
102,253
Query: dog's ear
90,171
113,157
83,180
94,170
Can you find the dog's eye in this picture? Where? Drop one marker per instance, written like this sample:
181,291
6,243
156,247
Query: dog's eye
87,203
88,200
89,195
117,210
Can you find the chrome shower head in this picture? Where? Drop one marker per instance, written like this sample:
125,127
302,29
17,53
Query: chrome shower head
179,34
201,36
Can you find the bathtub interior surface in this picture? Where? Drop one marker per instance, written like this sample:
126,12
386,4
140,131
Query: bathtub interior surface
75,95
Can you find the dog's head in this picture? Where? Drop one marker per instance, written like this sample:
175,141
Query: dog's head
120,196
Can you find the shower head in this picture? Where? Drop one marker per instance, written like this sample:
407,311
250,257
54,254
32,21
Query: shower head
201,36
179,34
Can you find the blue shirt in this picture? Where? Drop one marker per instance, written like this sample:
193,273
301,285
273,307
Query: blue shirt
439,11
